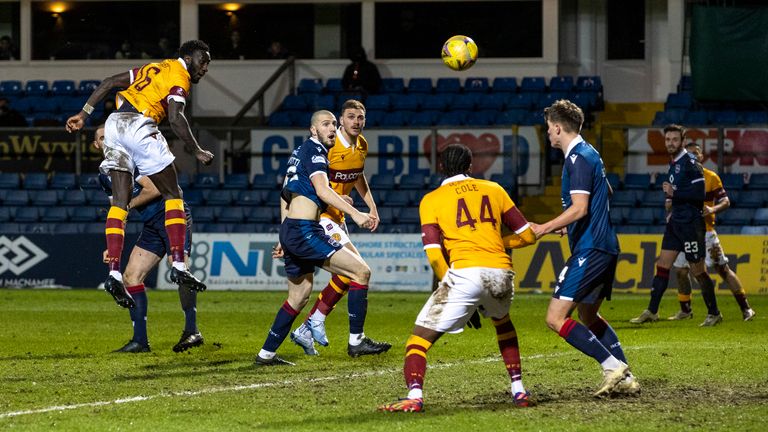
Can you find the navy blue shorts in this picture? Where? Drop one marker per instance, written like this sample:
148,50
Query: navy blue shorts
154,238
686,237
306,246
587,277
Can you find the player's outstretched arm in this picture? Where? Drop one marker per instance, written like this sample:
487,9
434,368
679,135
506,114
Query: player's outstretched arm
148,193
578,209
180,127
525,238
330,197
361,185
77,121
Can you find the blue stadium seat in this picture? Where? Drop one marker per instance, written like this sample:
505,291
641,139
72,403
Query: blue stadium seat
624,198
732,181
589,83
183,179
97,198
659,119
262,215
9,180
437,102
685,84
736,216
10,228
395,119
679,100
343,97
746,230
482,118
750,199
36,88
755,117
63,88
219,197
533,118
16,198
533,85
5,214
637,181
512,116
74,197
264,182
726,117
401,198
587,101
67,228
231,214
281,119
63,181
272,198
761,216
618,215
382,181
373,117
547,99
206,181
476,85
11,88
641,216
55,214
317,102
406,102
387,214
334,86
520,101
434,181
249,198
392,85
504,85
26,214
414,181
378,102
423,118
37,228
246,228
85,214
697,118
420,85
310,85
236,181
44,198
90,181
561,84
408,215
194,198
492,102
452,118
652,198
293,103
758,181
466,101
448,85
86,87
204,215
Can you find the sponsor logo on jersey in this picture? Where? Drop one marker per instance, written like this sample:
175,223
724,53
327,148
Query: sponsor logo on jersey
582,261
318,159
345,176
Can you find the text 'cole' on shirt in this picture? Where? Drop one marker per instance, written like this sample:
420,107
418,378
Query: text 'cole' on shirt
466,217
584,173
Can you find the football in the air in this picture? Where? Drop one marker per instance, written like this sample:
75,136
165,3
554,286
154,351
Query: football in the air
459,53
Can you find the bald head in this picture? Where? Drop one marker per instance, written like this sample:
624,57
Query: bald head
323,127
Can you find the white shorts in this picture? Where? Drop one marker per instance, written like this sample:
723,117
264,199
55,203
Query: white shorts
132,141
335,231
715,254
461,291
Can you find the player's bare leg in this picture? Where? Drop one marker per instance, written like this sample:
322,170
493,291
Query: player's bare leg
299,289
166,182
734,283
140,263
122,184
583,339
684,290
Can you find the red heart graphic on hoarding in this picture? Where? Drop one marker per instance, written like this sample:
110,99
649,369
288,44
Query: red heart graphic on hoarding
485,148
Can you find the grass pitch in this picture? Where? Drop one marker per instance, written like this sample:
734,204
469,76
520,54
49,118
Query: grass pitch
57,371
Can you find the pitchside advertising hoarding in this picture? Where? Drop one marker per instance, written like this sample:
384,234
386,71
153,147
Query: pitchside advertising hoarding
407,151
244,261
745,150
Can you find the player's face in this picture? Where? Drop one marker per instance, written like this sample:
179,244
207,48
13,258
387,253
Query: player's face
353,121
324,129
673,140
696,151
98,138
198,65
553,133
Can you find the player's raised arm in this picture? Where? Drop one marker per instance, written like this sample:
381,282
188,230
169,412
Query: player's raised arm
77,121
361,185
181,128
329,196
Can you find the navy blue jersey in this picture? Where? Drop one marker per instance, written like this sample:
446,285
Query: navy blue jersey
148,211
584,173
310,158
687,178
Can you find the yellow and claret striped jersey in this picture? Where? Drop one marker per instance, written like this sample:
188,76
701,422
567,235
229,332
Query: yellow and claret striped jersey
154,84
345,165
467,216
713,188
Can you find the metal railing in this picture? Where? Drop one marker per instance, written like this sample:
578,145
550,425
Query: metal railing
290,65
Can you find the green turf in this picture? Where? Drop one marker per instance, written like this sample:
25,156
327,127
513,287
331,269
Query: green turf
55,351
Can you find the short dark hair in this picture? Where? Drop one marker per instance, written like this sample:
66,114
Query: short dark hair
189,47
456,159
675,128
567,114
